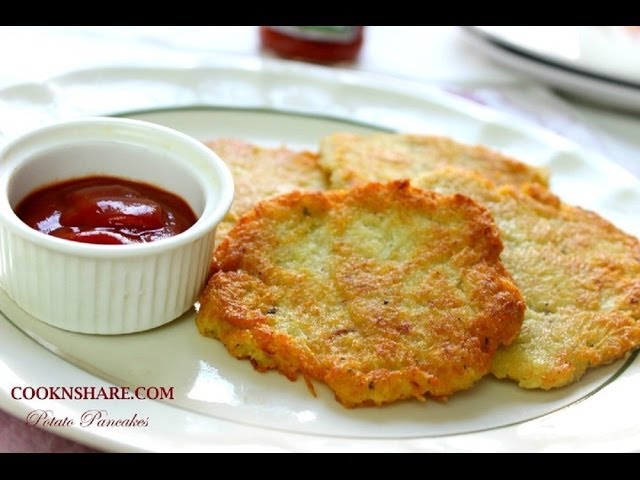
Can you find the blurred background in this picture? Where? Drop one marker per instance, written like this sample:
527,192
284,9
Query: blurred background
581,82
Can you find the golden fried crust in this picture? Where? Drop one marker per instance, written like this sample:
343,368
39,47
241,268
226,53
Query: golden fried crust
260,173
384,292
580,277
352,159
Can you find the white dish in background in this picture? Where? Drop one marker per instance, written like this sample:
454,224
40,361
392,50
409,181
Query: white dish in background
221,403
598,63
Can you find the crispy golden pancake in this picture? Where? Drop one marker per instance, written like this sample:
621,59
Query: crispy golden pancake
352,159
384,292
260,173
580,277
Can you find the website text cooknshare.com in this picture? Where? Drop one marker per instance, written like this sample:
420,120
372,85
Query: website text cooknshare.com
93,393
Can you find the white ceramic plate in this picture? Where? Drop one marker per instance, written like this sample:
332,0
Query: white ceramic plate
598,63
221,403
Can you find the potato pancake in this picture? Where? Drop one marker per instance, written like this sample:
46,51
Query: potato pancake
260,173
352,159
580,277
384,292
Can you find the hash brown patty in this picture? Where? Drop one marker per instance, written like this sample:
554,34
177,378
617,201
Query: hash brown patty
579,275
260,173
384,292
352,159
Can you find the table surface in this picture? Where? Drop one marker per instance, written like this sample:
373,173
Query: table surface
441,56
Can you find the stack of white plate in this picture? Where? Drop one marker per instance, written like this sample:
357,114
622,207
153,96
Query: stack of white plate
598,63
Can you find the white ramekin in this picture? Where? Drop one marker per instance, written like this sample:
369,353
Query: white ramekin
109,289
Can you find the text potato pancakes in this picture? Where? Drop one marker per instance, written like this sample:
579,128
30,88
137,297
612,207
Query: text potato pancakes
384,292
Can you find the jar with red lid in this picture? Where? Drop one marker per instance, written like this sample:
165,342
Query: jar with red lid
321,44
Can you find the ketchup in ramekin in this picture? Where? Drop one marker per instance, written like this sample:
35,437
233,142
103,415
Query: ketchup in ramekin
106,210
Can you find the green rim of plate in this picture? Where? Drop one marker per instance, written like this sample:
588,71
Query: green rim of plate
264,110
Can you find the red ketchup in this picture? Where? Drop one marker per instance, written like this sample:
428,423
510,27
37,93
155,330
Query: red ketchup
314,44
106,211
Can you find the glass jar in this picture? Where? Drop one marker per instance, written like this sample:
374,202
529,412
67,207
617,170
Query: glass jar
321,44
